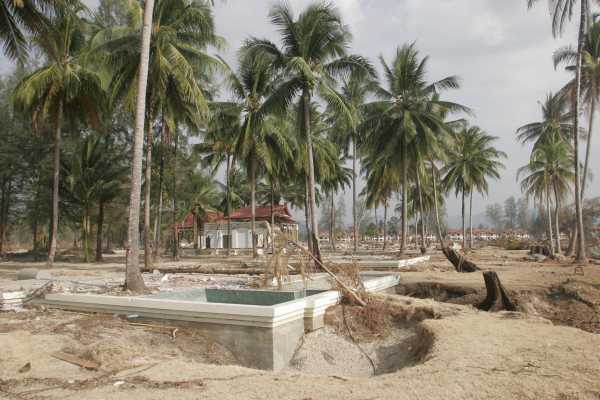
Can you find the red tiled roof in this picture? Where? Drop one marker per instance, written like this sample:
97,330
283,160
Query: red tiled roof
281,212
188,221
263,213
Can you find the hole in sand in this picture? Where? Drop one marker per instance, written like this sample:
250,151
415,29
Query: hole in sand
347,349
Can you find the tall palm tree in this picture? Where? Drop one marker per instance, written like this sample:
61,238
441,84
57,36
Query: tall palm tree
555,127
92,175
133,277
421,198
182,30
355,91
590,77
562,11
278,160
336,179
548,175
382,180
252,88
472,159
312,55
64,88
218,147
406,114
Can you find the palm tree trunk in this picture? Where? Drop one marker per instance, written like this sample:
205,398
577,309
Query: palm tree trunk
148,191
404,197
416,230
421,212
86,234
376,219
158,217
385,207
133,277
307,214
332,225
175,227
588,148
549,218
55,185
228,202
464,220
99,231
354,222
556,219
253,205
311,177
471,220
436,209
5,212
2,219
273,218
195,229
581,257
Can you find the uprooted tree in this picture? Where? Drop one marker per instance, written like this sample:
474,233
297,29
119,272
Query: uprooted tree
460,263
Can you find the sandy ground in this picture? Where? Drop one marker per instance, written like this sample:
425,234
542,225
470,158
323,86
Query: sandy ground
443,350
554,290
467,355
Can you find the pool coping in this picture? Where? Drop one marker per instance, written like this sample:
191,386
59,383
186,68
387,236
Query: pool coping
310,308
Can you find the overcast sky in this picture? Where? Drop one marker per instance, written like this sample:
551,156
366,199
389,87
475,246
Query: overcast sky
501,51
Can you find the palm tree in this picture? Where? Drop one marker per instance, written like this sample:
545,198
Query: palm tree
382,180
355,91
548,174
590,77
407,113
252,88
64,88
18,18
278,160
219,147
556,123
556,126
336,179
421,198
312,55
562,11
133,277
182,30
93,175
472,159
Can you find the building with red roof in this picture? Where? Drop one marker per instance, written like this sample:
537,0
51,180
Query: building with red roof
211,230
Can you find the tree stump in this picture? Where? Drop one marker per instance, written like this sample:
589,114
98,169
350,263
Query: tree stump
460,263
497,298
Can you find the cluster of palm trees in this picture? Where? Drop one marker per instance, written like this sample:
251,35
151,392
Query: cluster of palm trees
293,113
554,168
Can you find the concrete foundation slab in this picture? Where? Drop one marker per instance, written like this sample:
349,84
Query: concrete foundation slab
261,328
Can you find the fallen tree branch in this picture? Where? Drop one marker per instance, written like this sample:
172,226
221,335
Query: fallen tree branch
350,291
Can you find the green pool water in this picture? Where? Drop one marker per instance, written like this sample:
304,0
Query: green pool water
236,296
